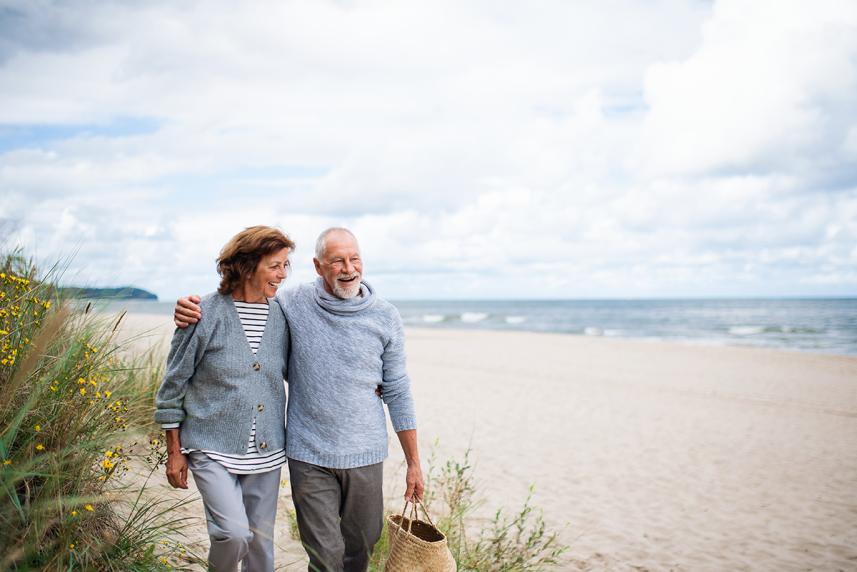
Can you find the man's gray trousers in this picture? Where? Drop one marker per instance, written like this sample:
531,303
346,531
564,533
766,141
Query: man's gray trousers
240,510
340,514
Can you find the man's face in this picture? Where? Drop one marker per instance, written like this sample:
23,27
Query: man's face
340,266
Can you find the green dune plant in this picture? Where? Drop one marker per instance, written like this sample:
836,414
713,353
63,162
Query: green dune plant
508,542
71,408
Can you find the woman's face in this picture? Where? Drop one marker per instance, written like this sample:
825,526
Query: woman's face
270,273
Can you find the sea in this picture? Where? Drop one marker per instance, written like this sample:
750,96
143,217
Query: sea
824,325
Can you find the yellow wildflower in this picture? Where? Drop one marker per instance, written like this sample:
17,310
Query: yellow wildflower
37,428
108,454
4,333
81,381
107,464
40,447
82,391
107,394
7,462
74,513
53,388
88,507
71,546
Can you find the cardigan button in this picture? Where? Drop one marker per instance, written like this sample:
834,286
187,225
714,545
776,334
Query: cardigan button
257,366
263,445
260,407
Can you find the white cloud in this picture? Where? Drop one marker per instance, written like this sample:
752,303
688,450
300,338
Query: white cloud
771,87
478,149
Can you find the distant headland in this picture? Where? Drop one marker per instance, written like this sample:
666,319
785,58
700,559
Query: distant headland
123,293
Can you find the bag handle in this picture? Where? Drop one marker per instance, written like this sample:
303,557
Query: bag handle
414,515
425,512
401,522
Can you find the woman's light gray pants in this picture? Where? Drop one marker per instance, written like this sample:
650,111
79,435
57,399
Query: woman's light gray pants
240,510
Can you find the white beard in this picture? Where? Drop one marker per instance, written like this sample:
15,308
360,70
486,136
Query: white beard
346,292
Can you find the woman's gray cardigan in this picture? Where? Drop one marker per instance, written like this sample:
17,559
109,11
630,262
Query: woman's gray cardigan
214,385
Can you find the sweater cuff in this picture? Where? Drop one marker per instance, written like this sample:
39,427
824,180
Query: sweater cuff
404,423
170,425
169,416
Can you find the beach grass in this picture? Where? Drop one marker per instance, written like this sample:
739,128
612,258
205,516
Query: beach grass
516,542
74,414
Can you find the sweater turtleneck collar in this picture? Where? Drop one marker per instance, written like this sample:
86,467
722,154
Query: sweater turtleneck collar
340,306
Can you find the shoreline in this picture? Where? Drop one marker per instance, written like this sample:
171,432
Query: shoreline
162,322
824,326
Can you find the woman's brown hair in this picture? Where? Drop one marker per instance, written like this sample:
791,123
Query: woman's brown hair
241,255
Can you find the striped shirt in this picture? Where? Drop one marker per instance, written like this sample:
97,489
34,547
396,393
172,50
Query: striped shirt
253,319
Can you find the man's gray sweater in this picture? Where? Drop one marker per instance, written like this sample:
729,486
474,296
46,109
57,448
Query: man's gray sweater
341,350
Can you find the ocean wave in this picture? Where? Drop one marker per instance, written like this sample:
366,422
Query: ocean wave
828,326
754,330
746,330
796,330
473,317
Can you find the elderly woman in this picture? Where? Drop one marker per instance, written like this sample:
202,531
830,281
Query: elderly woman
222,401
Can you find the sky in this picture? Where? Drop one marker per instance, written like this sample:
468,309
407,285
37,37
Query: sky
478,149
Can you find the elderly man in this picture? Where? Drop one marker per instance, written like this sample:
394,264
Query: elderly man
345,342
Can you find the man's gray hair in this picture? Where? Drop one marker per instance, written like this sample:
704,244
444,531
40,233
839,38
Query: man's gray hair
320,243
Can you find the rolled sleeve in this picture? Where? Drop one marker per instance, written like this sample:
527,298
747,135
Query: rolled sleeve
396,384
186,350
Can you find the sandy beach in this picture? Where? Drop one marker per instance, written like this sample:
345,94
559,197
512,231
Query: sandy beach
646,456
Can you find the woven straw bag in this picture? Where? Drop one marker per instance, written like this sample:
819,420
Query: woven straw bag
416,545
